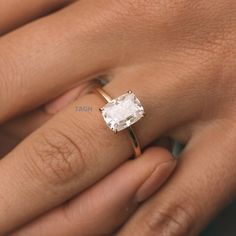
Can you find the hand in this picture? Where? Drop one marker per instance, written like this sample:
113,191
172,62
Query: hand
185,53
155,167
108,203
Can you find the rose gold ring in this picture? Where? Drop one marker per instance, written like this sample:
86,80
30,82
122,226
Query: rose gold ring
121,113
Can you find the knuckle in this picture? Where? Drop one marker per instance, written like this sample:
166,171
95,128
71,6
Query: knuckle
56,157
170,220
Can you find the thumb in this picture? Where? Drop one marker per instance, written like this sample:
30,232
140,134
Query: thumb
110,202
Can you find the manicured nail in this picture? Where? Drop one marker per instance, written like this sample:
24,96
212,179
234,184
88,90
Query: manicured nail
158,176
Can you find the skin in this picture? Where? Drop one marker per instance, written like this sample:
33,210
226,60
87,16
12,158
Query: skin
178,57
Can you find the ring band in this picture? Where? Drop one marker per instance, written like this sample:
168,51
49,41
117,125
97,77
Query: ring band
121,113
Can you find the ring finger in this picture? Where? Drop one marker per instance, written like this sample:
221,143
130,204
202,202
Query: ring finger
14,131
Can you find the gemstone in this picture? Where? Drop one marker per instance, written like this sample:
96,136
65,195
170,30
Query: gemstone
122,112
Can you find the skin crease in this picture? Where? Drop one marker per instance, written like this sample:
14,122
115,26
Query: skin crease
178,56
15,130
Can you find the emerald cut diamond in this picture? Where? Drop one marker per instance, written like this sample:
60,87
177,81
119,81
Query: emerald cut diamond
122,112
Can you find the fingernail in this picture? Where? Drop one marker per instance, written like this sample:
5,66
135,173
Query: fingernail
158,176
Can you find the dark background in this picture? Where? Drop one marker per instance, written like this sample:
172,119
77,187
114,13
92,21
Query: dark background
224,224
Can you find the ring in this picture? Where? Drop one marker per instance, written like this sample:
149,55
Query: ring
121,113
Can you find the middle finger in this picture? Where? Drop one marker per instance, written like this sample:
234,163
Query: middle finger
51,55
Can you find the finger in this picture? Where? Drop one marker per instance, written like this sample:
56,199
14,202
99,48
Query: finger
17,129
41,61
74,150
115,198
17,13
203,184
67,98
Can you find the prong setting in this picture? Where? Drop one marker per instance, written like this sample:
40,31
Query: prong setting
122,112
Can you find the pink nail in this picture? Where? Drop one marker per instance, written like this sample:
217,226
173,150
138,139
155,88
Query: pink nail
159,175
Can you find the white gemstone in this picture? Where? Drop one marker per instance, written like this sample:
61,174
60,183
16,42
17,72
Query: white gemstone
122,112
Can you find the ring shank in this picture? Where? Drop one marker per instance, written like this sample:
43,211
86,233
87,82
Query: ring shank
134,140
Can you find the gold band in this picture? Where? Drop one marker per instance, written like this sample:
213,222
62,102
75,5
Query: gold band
134,140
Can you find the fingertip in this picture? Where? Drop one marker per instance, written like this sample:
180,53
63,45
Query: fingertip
163,164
